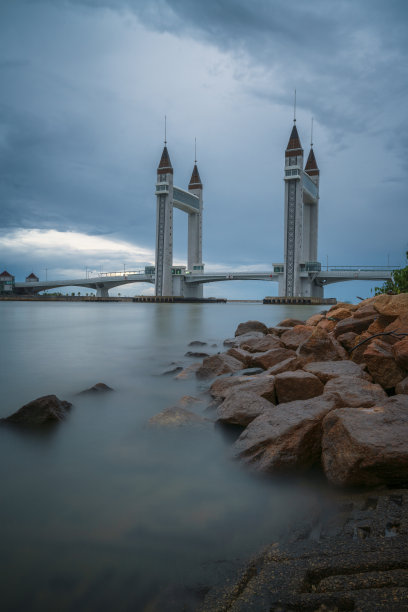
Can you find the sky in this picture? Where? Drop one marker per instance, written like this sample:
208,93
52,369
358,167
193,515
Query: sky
85,86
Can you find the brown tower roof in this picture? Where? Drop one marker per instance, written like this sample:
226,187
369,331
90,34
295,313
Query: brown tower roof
195,181
294,147
165,163
311,167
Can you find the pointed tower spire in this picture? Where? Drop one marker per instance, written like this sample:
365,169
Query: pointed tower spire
311,167
294,147
165,166
195,181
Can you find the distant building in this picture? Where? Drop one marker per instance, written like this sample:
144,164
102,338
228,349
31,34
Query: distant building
6,283
32,278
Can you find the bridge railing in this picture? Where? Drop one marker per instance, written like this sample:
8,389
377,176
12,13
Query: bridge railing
360,268
122,273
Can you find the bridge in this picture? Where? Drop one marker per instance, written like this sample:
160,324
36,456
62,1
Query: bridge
300,275
104,282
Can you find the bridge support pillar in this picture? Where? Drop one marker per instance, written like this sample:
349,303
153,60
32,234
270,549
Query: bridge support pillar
102,291
187,290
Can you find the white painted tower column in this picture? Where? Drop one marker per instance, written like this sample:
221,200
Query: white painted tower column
293,214
195,232
164,226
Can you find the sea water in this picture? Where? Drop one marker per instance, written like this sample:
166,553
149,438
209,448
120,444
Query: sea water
102,511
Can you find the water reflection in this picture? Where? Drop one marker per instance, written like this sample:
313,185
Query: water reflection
102,511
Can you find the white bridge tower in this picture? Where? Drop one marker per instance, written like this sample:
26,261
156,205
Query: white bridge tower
301,222
170,279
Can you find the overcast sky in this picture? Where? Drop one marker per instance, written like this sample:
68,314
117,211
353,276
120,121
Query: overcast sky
85,85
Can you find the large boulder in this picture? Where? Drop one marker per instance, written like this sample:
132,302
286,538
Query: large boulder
347,340
400,352
242,356
326,370
289,364
242,407
361,343
251,326
175,416
355,392
392,305
380,361
366,311
260,345
218,364
297,385
321,347
354,324
296,336
399,325
270,358
402,386
288,437
340,312
261,385
41,411
315,319
367,447
346,305
290,323
238,340
327,324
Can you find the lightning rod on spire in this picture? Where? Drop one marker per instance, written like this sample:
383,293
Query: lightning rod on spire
311,135
294,109
195,150
165,129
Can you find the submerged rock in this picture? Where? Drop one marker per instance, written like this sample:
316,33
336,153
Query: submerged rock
98,388
197,343
176,416
188,372
43,410
196,354
172,370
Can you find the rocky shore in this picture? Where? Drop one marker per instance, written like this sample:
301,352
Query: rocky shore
329,393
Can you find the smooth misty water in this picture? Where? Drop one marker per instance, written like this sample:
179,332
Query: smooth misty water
101,512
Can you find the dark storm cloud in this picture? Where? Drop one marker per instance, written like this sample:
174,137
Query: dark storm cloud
84,85
348,60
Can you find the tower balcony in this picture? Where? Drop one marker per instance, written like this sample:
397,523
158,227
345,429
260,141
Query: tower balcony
292,173
311,266
162,189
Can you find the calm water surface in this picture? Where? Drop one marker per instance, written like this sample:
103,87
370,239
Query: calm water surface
102,512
